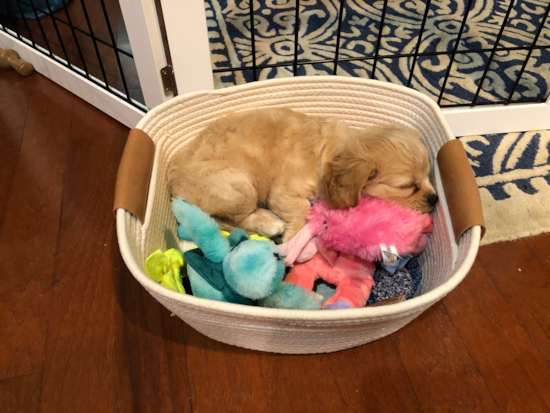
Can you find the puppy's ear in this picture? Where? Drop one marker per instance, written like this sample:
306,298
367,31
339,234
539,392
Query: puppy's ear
345,177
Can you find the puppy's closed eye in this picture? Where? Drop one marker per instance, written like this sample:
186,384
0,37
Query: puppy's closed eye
409,190
402,187
399,191
412,186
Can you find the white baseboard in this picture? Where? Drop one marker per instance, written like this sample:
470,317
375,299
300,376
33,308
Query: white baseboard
484,120
105,101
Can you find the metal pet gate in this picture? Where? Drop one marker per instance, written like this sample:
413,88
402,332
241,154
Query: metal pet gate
84,45
38,34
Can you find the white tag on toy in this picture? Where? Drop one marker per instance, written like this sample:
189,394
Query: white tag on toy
389,255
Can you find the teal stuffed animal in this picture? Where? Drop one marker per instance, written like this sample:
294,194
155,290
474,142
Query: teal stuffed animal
236,269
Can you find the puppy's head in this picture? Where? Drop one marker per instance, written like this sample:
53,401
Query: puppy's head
387,162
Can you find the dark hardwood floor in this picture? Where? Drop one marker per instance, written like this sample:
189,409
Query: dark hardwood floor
79,334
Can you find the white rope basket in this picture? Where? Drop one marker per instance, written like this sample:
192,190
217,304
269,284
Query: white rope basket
360,103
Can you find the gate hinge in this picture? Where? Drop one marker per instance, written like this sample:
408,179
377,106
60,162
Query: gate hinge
168,80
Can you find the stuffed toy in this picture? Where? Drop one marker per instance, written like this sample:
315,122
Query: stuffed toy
9,59
343,246
236,269
164,268
388,288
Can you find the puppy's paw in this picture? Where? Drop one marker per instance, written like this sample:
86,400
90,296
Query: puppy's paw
264,222
271,228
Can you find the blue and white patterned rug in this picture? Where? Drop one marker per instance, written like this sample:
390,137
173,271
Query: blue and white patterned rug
229,32
513,174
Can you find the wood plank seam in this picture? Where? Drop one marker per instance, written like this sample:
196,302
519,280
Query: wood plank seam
470,355
406,372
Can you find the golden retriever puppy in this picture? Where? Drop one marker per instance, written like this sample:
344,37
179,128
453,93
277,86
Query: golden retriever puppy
280,159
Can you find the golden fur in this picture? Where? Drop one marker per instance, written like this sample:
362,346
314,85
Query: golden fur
281,159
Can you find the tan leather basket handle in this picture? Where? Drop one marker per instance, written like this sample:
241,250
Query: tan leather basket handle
134,174
461,189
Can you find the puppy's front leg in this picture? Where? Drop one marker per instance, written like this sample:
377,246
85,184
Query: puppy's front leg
291,209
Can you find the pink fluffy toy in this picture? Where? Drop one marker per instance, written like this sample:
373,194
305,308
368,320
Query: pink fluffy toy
342,247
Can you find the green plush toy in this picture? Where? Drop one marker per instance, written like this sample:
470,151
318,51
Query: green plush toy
164,267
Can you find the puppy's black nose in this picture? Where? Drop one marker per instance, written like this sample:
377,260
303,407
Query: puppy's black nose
432,199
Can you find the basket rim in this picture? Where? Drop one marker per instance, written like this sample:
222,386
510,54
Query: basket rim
409,306
300,80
